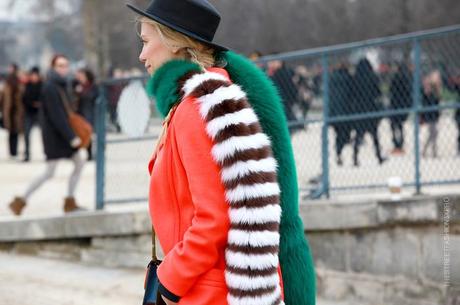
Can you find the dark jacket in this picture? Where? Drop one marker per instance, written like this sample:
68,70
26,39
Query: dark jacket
401,92
454,85
340,87
457,112
56,131
366,90
87,102
429,100
283,79
32,94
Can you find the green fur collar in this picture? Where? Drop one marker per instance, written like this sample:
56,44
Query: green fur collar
163,83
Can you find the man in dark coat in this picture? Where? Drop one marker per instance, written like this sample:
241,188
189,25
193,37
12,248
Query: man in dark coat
339,104
400,98
283,77
13,108
366,91
31,101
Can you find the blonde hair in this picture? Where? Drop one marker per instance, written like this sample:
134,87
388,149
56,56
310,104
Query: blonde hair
188,48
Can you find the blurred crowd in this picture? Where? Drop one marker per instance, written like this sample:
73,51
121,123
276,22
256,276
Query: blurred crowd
22,98
356,92
53,102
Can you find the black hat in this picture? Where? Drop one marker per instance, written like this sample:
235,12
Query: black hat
197,19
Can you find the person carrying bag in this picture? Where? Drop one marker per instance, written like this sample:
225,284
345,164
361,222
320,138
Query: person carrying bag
79,124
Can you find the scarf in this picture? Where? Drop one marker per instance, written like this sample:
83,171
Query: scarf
252,92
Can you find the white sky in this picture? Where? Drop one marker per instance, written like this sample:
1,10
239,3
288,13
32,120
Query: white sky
19,6
20,10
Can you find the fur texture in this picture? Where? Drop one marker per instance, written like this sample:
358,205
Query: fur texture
295,255
163,84
252,249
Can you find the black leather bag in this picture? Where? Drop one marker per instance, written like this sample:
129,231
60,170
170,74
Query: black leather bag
151,294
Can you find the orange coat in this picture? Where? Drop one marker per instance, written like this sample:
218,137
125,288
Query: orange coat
189,211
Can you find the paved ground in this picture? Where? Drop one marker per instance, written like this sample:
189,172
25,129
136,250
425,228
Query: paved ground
37,281
28,280
15,175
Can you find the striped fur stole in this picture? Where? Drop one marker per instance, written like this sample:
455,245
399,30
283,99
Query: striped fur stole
249,175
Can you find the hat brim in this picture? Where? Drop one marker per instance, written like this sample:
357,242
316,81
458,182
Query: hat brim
177,28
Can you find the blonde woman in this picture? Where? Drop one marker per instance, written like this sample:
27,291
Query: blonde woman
216,199
432,87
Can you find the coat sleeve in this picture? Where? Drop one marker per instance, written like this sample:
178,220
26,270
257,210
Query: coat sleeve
27,97
56,113
206,238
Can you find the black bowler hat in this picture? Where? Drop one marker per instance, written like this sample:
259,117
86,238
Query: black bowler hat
195,18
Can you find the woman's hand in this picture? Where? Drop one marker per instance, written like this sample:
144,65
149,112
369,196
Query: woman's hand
168,302
76,142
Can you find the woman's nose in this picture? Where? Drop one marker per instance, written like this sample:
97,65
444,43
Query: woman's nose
142,57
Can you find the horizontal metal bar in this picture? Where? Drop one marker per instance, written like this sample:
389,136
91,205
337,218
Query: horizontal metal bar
130,140
441,182
377,114
383,185
301,54
368,115
126,200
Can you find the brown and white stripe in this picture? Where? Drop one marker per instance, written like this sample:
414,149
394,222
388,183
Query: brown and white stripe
248,172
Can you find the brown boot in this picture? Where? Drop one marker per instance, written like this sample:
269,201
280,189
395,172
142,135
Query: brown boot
17,205
71,206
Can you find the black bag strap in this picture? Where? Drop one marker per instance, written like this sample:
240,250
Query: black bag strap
154,253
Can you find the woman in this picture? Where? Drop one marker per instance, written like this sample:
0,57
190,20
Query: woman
432,87
87,93
13,110
214,190
59,140
400,98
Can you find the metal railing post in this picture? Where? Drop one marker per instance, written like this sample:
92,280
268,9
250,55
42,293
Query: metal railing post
324,131
416,105
101,106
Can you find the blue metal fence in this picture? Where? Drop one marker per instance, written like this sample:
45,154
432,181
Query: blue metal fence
334,97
